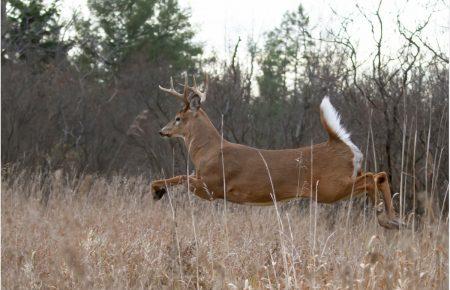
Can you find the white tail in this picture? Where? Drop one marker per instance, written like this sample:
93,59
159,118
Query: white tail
333,125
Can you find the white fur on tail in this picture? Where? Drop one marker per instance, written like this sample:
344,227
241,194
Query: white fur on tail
333,120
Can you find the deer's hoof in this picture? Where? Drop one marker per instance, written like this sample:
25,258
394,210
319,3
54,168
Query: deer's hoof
158,193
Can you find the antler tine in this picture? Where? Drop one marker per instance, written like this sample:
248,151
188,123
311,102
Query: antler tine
196,90
172,91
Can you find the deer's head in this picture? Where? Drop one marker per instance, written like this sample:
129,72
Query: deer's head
185,119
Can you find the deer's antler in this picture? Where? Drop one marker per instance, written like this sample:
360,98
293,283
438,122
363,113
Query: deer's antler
173,92
197,91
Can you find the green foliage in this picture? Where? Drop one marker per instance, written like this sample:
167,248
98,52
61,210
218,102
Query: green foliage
283,60
283,50
32,30
124,27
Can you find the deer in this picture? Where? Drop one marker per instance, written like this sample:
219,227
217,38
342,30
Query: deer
327,172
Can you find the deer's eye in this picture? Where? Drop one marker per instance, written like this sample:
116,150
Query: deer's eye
177,119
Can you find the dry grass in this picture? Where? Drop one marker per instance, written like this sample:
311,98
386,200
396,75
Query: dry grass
109,234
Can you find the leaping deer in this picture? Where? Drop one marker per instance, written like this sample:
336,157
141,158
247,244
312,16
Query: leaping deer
329,171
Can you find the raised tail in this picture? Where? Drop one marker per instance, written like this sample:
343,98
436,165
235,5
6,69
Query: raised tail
331,121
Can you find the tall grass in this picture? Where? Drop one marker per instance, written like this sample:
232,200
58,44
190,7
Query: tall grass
97,233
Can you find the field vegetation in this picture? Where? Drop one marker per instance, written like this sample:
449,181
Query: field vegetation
63,232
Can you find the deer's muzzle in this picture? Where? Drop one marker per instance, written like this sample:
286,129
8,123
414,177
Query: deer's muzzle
163,134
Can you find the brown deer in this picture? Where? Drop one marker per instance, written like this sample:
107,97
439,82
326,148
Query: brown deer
328,172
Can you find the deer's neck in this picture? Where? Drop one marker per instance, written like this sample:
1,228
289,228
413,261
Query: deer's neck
202,139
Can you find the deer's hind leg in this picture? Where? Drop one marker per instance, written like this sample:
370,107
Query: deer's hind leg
366,183
372,183
382,183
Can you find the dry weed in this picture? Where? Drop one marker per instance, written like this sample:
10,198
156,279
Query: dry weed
97,233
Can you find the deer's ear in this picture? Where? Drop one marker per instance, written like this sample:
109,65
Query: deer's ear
194,103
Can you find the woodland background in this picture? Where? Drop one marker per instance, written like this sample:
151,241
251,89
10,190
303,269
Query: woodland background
72,88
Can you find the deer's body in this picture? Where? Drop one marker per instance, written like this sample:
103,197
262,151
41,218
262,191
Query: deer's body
327,172
247,179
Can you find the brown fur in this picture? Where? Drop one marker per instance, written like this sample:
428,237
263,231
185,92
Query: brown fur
323,170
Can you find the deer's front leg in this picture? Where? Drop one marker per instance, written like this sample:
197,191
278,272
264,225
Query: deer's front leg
159,186
198,187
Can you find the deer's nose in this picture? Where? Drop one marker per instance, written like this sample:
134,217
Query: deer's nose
162,133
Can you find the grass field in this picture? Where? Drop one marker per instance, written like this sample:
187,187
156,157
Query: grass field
95,233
